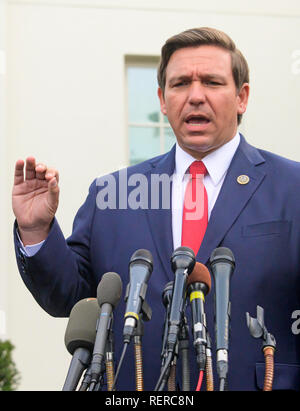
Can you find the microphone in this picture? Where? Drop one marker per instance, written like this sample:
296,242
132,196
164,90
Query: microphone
182,262
222,264
198,285
166,299
109,293
140,269
79,339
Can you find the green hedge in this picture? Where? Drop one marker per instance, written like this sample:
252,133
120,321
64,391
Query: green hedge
9,375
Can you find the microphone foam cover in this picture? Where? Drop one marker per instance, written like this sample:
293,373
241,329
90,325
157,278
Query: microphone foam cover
109,289
142,255
200,274
81,328
222,254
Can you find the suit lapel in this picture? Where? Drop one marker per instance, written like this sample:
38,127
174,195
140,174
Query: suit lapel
160,220
233,197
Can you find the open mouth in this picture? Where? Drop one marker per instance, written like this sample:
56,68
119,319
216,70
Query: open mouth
197,119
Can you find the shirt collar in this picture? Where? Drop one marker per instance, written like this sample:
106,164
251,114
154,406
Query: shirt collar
216,163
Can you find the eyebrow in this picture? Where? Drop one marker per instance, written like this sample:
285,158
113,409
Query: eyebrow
212,76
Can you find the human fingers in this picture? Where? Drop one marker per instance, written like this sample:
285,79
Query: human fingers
51,173
40,171
19,172
53,194
30,168
46,173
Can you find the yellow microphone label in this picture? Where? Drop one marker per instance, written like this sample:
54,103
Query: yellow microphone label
130,314
197,294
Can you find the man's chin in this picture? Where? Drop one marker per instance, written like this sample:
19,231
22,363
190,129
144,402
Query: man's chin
198,146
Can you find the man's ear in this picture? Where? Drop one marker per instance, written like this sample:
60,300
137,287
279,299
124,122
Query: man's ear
243,96
162,101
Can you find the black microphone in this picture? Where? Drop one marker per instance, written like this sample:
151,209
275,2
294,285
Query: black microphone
198,286
80,338
222,265
182,262
140,269
109,293
166,299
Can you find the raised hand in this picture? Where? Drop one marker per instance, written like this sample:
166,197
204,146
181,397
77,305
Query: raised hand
34,199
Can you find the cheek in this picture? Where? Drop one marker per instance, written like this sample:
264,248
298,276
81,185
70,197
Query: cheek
174,107
225,107
171,112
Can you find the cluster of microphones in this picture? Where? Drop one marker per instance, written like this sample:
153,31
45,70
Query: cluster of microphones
89,333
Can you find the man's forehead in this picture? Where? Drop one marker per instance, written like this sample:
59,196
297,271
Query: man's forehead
206,57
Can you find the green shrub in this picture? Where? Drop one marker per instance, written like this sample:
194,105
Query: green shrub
9,376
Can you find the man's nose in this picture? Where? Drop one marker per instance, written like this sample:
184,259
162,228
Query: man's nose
196,93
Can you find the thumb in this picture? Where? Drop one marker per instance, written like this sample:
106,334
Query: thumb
53,192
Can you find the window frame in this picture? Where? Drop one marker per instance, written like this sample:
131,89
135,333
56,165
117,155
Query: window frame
143,62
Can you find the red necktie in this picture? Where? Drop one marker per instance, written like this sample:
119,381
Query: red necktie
195,208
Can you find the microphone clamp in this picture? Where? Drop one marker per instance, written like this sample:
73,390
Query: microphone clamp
258,329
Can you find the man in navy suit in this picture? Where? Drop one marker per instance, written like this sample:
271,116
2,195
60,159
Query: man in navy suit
253,199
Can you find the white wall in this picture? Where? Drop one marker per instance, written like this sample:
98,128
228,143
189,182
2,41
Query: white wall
65,104
4,207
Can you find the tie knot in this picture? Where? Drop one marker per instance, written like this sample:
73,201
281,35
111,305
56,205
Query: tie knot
197,168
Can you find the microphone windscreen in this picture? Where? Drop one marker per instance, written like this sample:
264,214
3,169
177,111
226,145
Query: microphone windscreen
109,289
222,254
142,255
200,274
81,328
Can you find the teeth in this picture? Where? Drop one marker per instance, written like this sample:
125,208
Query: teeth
198,120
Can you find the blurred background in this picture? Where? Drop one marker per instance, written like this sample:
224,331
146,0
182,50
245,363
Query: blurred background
78,91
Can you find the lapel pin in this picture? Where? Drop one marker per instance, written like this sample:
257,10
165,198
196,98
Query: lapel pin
243,179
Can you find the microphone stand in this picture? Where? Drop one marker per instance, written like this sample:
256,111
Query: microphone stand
86,380
183,338
208,366
169,356
165,372
107,366
182,262
168,369
137,339
145,313
166,298
100,383
109,360
258,329
172,371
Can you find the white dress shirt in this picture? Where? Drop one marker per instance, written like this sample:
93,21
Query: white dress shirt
216,163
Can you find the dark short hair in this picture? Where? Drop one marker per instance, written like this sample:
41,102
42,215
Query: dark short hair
204,36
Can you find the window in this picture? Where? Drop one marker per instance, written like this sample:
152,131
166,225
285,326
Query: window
149,132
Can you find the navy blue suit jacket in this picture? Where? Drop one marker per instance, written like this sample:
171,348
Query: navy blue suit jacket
258,221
